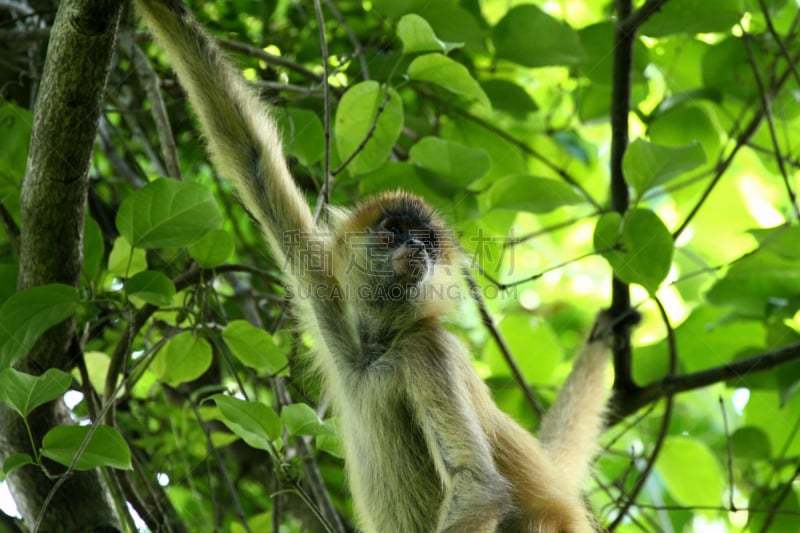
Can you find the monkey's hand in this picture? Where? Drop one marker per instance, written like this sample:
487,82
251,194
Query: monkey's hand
606,328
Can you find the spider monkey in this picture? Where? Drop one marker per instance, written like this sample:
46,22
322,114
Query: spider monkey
426,448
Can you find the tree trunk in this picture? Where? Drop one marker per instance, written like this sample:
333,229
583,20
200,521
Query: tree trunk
53,203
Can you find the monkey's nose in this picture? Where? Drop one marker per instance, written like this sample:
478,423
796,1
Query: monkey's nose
415,246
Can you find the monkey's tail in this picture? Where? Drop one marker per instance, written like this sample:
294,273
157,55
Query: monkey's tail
241,134
571,428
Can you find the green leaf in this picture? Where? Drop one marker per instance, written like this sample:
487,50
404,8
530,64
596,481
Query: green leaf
301,419
530,37
647,246
727,68
395,8
450,160
781,240
106,447
750,442
93,248
455,21
690,471
213,249
15,461
417,36
509,97
693,16
782,515
647,166
15,130
124,261
8,281
608,232
530,193
183,358
97,364
675,118
447,74
757,280
167,213
256,423
331,441
597,41
302,134
356,117
151,286
521,331
394,175
254,347
28,314
24,392
713,339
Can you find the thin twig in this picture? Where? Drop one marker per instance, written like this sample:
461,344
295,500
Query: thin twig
546,230
516,372
12,229
287,88
358,50
119,357
321,506
787,489
326,97
766,109
741,140
370,132
269,59
534,277
218,458
776,36
151,84
729,449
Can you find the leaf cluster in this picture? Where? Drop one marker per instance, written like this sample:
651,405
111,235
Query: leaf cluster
500,115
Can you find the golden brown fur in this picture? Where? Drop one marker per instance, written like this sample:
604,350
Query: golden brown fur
426,447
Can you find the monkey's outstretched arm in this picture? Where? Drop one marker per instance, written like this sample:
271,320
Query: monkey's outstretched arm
241,135
246,148
570,430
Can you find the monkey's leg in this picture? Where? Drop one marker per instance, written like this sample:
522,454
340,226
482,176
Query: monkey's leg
476,496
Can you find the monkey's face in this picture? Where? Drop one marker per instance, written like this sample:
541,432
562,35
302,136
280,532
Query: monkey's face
410,247
403,247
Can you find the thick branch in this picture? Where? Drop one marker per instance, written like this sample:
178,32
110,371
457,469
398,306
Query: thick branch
620,109
628,403
632,22
52,203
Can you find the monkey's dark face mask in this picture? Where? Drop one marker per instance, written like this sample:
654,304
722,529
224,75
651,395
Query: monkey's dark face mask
398,250
410,248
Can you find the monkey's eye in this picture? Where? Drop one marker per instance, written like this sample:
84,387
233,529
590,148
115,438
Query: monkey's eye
393,226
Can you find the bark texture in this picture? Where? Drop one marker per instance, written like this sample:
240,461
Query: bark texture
53,201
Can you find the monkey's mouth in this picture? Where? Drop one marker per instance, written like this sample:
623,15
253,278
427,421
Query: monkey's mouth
411,263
